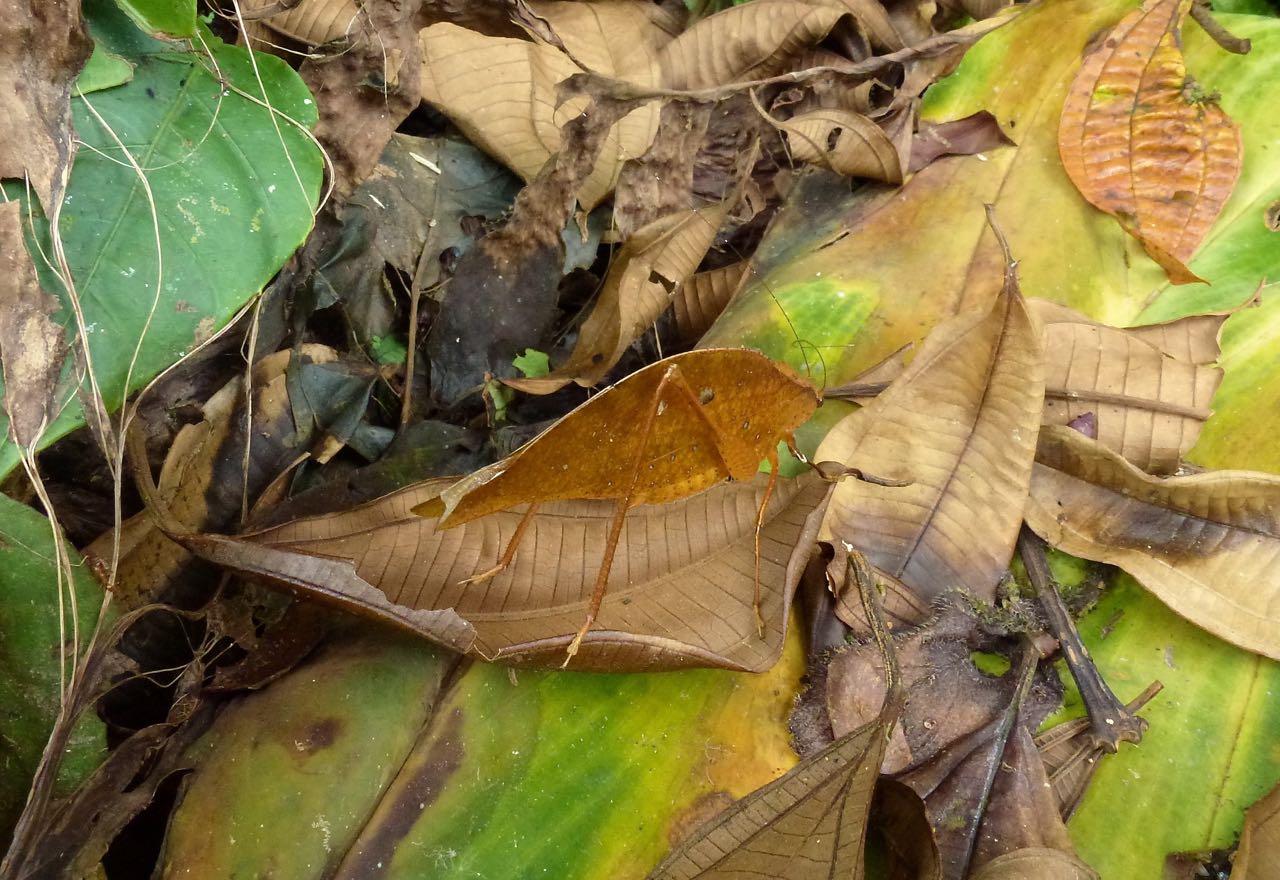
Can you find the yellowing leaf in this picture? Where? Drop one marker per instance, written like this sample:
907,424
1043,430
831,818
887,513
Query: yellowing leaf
960,426
1206,545
1142,142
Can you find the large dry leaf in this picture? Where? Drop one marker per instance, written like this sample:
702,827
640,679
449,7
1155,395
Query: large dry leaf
1206,545
846,142
680,589
1259,851
809,825
620,39
45,47
640,286
313,22
747,42
502,94
1149,405
31,342
1142,142
714,414
960,426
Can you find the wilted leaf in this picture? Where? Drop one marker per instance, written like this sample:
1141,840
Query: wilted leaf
46,47
640,286
1143,142
962,137
502,94
669,604
846,142
1206,544
959,425
1259,850
619,39
313,22
31,343
751,41
1149,405
703,296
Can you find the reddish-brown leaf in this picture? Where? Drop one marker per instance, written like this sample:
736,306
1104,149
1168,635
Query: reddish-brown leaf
1143,143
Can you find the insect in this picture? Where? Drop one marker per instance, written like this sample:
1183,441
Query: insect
670,430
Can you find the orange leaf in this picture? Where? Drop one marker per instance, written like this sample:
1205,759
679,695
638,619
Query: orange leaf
1141,142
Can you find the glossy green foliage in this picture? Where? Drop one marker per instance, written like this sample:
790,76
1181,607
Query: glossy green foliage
358,764
29,643
232,185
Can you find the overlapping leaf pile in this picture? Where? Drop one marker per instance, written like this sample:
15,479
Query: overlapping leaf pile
573,192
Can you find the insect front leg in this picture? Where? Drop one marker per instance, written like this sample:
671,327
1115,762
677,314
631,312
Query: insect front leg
509,553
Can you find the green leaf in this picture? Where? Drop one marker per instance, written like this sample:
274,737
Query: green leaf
388,349
163,18
532,363
234,190
103,70
358,765
29,650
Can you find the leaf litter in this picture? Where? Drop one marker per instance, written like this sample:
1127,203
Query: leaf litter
633,531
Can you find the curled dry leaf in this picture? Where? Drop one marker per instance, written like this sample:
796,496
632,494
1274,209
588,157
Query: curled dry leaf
640,286
502,94
313,22
31,342
45,47
1149,404
1144,143
752,41
1259,850
618,39
959,426
672,601
846,142
701,299
1035,863
1206,545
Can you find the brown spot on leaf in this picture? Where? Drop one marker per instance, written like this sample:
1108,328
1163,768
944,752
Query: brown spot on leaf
704,809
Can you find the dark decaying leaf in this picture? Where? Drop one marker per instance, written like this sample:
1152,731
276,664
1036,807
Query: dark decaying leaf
1259,851
1143,142
1035,863
46,45
31,342
364,92
1205,545
961,137
958,426
671,602
660,182
1148,403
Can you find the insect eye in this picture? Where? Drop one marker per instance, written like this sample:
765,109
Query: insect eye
706,396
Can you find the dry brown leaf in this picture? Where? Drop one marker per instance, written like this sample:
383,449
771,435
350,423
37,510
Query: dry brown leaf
640,286
312,22
661,181
45,47
31,342
1206,545
502,94
201,481
1259,851
747,42
848,143
1036,863
620,39
1142,142
960,137
701,299
680,592
1149,406
809,825
960,425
